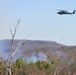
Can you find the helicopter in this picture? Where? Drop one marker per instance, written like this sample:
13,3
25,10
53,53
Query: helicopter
61,12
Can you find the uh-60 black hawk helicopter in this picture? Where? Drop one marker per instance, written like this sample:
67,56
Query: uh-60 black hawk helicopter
61,12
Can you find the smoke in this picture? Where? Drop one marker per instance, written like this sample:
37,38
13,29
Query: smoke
61,54
33,58
3,49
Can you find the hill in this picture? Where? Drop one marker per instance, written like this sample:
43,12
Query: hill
33,50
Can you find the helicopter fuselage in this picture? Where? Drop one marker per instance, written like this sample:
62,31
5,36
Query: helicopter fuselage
65,12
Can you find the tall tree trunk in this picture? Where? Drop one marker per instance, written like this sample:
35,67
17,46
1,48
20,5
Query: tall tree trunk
8,71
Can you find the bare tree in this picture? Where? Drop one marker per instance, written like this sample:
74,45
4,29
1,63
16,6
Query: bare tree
12,52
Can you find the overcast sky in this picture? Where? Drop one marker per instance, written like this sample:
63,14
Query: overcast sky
39,18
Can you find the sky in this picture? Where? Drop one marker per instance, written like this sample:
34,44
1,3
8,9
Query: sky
39,19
